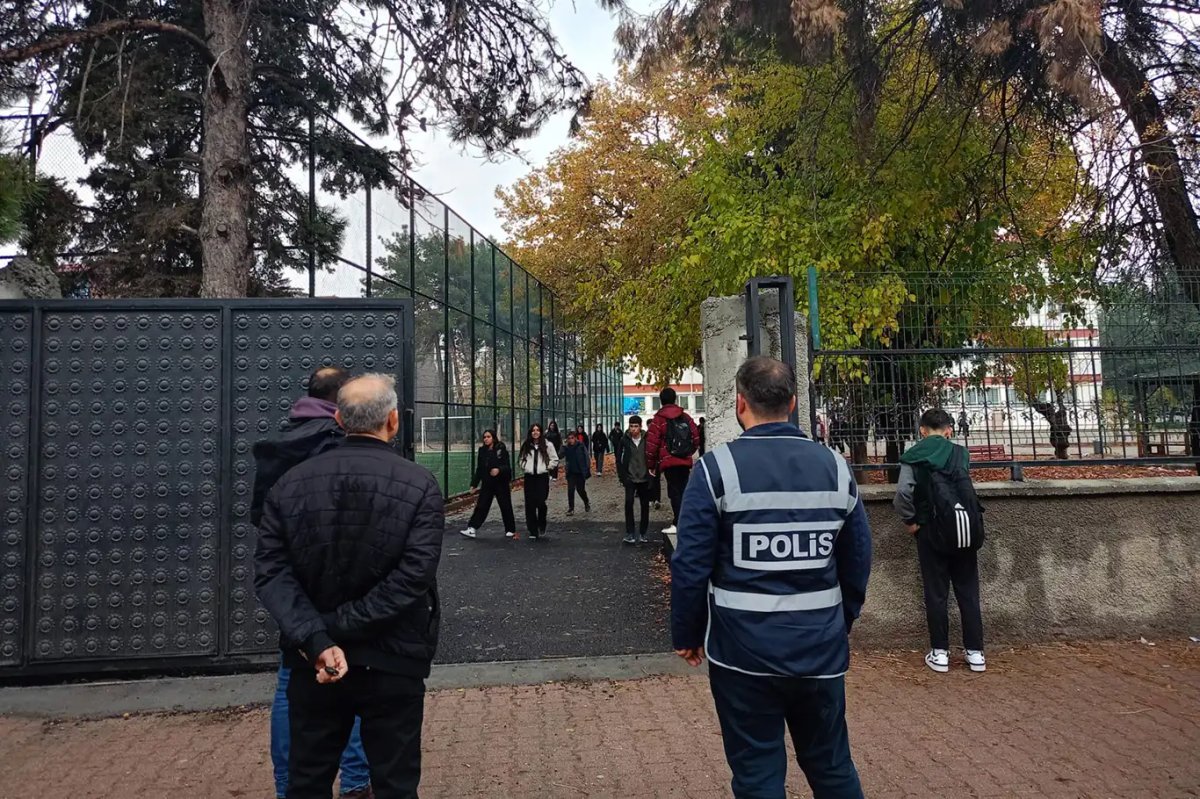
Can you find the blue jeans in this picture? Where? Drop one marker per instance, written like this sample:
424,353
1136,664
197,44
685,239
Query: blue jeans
753,712
355,773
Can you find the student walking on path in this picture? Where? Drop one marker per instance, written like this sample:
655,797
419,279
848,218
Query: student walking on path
493,480
937,503
635,477
579,469
614,439
671,442
539,459
769,573
554,438
599,448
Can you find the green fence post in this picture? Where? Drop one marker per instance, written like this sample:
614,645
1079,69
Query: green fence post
814,309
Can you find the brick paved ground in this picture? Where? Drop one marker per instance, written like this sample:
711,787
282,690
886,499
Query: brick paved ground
1102,720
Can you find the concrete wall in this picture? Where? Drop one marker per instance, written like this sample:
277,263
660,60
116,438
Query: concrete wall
1063,559
722,325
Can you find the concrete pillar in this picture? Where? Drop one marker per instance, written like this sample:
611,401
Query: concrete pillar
722,325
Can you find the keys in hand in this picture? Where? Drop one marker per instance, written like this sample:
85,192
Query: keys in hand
331,665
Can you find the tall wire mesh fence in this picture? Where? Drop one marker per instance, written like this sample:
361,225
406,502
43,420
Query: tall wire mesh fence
492,348
1091,374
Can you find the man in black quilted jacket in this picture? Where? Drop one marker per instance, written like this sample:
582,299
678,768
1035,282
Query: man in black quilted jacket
347,561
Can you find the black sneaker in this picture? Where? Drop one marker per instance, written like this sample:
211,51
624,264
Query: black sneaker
570,511
587,508
642,539
533,534
629,539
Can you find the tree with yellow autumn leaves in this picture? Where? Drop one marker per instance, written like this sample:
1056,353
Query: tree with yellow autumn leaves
685,183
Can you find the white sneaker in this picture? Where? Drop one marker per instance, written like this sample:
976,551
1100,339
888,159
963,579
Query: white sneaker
671,530
509,534
938,660
975,660
469,532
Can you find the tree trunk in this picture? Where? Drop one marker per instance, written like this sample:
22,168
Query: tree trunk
225,160
859,50
1164,173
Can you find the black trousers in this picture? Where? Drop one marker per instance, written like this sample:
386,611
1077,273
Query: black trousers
753,711
501,491
537,490
938,571
577,484
392,708
599,463
677,480
643,492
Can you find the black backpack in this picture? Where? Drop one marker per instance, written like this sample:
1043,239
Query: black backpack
956,516
679,437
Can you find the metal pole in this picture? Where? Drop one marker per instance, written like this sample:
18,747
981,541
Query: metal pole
446,348
814,345
369,288
471,328
814,309
312,203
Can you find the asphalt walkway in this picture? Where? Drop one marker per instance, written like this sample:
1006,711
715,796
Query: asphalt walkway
576,592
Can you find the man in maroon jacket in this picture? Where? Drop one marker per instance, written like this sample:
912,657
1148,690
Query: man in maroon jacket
670,444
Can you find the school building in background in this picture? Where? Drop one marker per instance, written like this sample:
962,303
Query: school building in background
642,399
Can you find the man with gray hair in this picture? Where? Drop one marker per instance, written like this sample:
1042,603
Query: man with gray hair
347,560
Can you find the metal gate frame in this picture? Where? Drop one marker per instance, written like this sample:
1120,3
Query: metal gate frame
23,378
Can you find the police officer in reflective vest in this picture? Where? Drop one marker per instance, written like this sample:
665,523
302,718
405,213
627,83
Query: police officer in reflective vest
769,572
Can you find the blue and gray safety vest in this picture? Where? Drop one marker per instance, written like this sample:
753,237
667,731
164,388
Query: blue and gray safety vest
773,556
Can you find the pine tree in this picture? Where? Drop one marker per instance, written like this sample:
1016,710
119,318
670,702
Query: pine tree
199,112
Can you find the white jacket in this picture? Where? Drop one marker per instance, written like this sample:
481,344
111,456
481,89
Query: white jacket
542,466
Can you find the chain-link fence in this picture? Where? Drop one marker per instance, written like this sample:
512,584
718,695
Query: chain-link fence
492,348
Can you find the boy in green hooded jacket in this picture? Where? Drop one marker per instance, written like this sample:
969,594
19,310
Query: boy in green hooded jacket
940,569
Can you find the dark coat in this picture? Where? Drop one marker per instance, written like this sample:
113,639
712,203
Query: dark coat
599,442
576,458
631,460
614,440
309,431
488,458
348,551
554,437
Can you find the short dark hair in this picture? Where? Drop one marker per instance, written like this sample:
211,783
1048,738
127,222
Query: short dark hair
936,419
668,396
767,384
326,382
635,419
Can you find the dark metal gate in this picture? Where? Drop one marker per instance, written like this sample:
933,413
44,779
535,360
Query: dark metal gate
126,429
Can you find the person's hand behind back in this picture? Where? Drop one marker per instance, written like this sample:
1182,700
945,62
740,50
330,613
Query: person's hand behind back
333,659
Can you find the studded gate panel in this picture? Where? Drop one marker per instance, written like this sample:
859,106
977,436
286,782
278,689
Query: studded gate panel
125,540
16,343
273,351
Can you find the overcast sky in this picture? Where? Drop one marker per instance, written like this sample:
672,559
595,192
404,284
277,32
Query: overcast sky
464,179
461,177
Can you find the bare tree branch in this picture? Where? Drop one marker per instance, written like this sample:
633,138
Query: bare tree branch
102,30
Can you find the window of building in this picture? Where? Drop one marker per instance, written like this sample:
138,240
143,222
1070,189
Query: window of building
698,403
655,403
